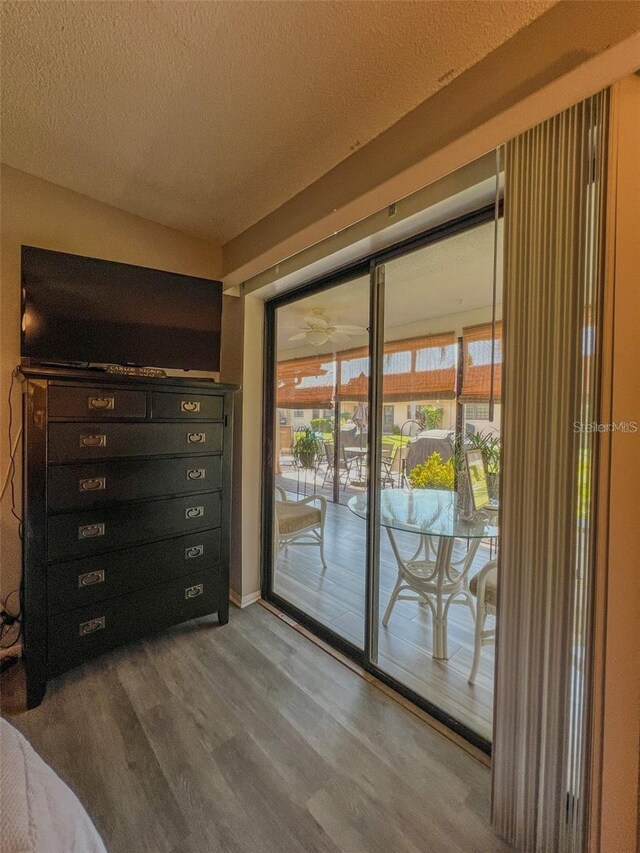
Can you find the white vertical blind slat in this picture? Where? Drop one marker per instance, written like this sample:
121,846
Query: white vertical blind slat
552,293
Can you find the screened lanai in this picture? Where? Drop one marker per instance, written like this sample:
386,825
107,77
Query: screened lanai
436,387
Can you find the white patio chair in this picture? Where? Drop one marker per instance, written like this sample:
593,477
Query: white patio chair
300,523
484,586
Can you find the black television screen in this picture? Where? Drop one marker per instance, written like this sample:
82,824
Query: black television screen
77,310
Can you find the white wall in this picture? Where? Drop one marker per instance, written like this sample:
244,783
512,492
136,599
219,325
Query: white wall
38,213
231,365
249,476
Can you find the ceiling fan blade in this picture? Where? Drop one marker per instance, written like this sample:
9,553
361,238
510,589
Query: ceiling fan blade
299,337
346,335
316,321
351,330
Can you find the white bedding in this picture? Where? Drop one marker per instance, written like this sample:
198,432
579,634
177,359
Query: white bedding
38,812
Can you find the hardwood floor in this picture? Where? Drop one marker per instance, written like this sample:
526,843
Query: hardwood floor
336,598
251,738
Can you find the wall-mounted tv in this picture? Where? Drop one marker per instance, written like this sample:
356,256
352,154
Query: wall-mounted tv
87,310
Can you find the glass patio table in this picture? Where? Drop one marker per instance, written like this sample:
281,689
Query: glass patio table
430,575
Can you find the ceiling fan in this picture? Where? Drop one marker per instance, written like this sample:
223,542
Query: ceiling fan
318,330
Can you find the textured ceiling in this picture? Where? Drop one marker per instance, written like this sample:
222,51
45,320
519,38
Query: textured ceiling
206,116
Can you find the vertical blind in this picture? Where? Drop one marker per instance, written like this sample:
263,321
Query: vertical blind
553,284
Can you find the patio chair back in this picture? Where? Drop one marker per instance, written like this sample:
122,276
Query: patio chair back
328,452
402,456
348,455
389,452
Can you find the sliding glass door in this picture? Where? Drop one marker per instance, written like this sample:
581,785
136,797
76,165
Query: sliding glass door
320,459
380,383
441,373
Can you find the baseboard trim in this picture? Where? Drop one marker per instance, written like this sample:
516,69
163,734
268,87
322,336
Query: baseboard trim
243,601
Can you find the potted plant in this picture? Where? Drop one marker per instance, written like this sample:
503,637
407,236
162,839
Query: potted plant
306,448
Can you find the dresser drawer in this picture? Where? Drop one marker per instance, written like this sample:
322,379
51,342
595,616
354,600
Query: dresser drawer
96,483
81,582
80,534
185,405
85,632
77,442
96,402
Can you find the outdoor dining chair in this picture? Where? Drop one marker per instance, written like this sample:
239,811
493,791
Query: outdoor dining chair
299,523
344,466
484,586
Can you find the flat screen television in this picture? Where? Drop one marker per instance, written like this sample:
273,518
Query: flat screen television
78,310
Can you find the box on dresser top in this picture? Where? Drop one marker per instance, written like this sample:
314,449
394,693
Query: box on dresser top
127,486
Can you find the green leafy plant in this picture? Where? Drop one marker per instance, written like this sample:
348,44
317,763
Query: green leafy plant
326,425
306,447
433,474
458,448
486,442
430,417
489,445
322,424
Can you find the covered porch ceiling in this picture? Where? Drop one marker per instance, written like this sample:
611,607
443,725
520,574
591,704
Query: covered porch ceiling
439,288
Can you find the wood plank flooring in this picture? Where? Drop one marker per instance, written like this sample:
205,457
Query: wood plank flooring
336,598
249,738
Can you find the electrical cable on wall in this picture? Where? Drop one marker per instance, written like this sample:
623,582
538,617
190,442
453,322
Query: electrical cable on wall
12,452
11,470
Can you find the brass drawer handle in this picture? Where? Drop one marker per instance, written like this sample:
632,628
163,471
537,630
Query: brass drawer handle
98,440
91,578
194,591
194,512
194,551
190,406
93,484
196,437
90,531
102,403
196,473
92,626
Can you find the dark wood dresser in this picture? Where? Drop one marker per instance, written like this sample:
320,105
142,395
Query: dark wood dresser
127,486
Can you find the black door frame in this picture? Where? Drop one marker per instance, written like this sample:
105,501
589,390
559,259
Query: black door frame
373,266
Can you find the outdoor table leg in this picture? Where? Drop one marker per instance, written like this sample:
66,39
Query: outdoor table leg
443,559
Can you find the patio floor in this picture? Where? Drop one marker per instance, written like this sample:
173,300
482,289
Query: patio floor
300,483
